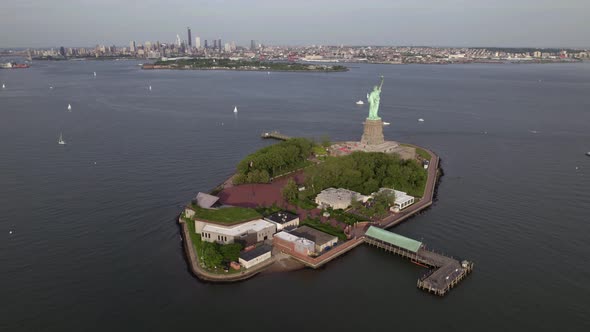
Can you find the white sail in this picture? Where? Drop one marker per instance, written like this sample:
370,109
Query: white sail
236,109
3,86
61,140
150,88
94,74
69,107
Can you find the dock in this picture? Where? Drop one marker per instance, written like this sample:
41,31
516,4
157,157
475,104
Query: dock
444,272
275,135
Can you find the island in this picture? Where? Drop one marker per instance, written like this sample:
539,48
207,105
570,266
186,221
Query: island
241,65
301,203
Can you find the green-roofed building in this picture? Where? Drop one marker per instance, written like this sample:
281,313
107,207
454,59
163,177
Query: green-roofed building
397,240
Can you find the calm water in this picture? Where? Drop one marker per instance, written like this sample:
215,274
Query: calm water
95,246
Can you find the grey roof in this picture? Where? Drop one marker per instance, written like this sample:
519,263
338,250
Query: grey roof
258,251
393,238
282,217
205,200
312,234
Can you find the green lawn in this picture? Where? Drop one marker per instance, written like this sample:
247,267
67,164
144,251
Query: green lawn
229,215
326,228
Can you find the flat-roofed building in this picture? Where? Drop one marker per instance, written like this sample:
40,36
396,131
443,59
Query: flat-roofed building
284,240
402,200
322,240
255,256
212,232
338,198
283,219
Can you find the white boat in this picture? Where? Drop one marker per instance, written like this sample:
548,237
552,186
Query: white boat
69,108
61,140
50,88
421,120
236,109
360,102
588,153
386,123
3,86
94,74
150,88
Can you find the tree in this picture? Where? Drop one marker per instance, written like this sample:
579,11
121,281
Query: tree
290,191
326,141
231,252
212,256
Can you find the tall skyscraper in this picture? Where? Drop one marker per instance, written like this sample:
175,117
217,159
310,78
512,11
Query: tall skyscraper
132,46
178,40
214,44
219,44
197,42
190,39
206,46
252,45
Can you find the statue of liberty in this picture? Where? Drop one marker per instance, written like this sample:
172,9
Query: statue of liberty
373,99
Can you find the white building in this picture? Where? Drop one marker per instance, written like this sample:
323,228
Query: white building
211,232
198,42
255,256
284,240
283,219
402,199
338,198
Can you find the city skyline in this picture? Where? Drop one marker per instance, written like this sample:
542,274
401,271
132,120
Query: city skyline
454,23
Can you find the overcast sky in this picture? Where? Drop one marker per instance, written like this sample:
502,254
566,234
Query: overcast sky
536,23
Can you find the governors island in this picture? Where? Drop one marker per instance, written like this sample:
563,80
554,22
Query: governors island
301,204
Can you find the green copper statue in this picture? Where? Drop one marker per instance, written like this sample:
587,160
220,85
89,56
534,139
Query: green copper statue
373,99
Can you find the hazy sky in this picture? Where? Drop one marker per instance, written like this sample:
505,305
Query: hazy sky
539,23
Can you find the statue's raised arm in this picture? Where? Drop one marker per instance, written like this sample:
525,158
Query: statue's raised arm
380,85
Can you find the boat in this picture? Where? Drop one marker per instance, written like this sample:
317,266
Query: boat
236,109
588,153
386,123
69,108
3,86
421,120
50,88
150,88
94,74
61,140
360,102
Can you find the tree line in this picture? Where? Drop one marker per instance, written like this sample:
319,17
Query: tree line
273,160
366,172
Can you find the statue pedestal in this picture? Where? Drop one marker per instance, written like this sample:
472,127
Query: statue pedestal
373,133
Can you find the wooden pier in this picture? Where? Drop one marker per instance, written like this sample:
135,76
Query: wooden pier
445,272
275,134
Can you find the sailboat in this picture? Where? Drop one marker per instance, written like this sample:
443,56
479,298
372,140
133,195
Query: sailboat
3,86
69,108
61,140
236,109
150,88
94,74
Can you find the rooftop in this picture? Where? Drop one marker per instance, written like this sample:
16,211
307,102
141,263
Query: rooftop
205,200
250,226
314,235
282,217
393,238
292,238
256,252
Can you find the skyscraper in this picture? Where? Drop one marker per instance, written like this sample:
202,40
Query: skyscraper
252,45
197,42
190,39
214,44
132,46
206,46
219,44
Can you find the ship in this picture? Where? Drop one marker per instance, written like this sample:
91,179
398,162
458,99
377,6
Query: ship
13,65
